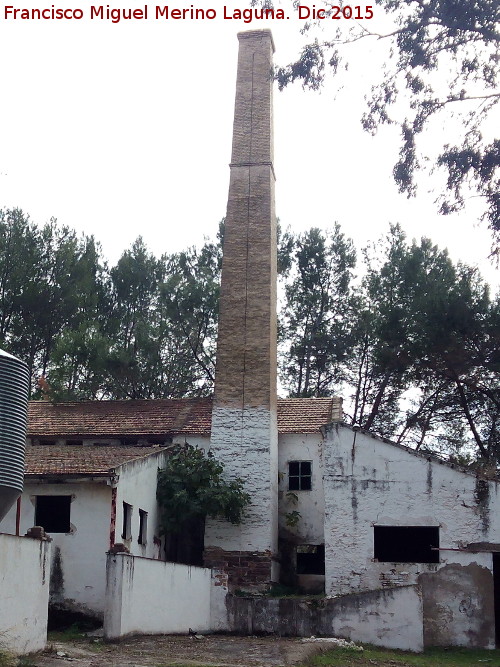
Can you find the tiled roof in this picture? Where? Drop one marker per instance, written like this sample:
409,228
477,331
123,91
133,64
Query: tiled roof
304,415
80,460
118,418
190,416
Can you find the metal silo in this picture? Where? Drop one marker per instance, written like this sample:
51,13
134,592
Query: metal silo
14,389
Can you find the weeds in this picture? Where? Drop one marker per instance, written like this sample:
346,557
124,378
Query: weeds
436,657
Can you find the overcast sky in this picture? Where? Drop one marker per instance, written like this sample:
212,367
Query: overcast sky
125,129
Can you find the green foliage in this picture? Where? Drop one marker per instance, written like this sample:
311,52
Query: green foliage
144,328
435,657
413,346
292,518
315,323
192,486
7,660
442,63
50,281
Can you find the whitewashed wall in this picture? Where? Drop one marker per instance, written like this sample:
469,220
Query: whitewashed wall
245,441
370,482
310,505
80,555
137,487
24,593
146,596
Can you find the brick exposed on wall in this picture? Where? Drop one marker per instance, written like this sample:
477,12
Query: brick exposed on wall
245,569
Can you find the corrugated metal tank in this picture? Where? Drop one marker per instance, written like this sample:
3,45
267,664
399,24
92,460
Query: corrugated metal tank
14,389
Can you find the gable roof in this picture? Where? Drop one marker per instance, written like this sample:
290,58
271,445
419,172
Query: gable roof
78,460
167,417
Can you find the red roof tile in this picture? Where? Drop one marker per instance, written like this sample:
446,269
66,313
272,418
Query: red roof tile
80,460
190,416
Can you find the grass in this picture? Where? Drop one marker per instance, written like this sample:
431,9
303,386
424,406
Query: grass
8,660
74,633
437,657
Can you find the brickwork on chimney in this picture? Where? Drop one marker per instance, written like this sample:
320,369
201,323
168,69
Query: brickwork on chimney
244,422
246,348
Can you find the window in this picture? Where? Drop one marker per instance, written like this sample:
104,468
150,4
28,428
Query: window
311,559
143,527
406,544
299,475
127,522
53,513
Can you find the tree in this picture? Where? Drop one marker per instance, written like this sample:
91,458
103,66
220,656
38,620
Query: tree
316,318
190,488
190,296
49,283
443,59
426,365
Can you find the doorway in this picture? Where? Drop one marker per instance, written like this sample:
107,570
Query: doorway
496,595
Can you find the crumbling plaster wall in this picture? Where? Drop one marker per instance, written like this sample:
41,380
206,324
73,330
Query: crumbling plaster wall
458,607
391,617
369,482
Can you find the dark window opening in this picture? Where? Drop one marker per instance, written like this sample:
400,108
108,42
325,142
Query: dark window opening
53,513
43,441
406,544
127,522
143,527
74,442
496,595
311,559
299,476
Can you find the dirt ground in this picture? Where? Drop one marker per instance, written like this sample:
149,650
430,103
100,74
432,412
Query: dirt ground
166,651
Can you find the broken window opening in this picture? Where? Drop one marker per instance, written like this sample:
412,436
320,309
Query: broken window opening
311,559
53,513
406,544
127,522
299,475
143,527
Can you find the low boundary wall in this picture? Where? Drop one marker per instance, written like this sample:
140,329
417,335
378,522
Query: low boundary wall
24,593
390,617
145,596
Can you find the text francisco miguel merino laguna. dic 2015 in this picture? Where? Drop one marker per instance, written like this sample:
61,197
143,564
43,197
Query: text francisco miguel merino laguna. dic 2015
167,12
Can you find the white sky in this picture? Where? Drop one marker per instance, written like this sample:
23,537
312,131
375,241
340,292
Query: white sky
125,129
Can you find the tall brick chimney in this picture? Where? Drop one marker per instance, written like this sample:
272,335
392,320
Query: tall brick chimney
244,428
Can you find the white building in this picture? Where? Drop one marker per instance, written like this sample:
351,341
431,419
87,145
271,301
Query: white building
405,546
91,472
87,498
